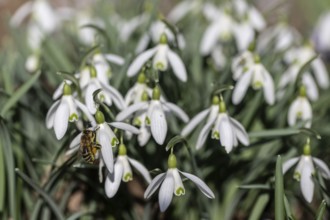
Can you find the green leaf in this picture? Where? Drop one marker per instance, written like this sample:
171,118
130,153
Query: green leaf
10,173
175,140
2,176
255,186
78,215
19,93
274,133
259,207
279,190
43,194
321,210
303,69
287,207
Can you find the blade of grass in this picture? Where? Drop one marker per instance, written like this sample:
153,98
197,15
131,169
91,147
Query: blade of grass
287,207
43,194
321,210
279,190
19,93
259,207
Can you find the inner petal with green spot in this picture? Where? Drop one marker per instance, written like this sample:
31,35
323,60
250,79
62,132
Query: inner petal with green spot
73,117
114,142
127,177
296,176
179,191
257,85
215,135
137,122
148,121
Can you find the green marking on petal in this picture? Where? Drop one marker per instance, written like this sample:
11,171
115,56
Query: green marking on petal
215,135
102,97
180,191
160,66
127,177
92,72
296,176
299,114
145,96
73,117
257,85
137,122
148,121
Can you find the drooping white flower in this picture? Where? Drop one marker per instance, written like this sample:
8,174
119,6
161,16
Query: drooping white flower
258,77
162,56
304,171
105,137
280,37
134,94
155,110
157,29
301,55
321,34
64,111
301,109
107,93
241,62
171,183
123,172
223,127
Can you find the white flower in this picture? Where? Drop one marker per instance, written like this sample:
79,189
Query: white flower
155,118
134,94
241,62
105,137
300,108
170,183
258,77
224,128
32,63
87,35
64,111
157,29
162,55
123,171
321,34
301,55
304,171
107,93
127,28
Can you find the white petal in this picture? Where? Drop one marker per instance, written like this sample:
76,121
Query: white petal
178,185
142,44
321,73
153,186
158,124
306,183
112,182
84,109
311,87
125,127
58,92
289,163
89,99
269,91
179,11
210,38
113,58
226,133
166,192
256,18
141,169
160,61
240,132
177,65
200,184
177,111
106,149
292,114
323,167
203,135
243,40
139,61
61,119
307,112
21,13
75,141
72,150
115,95
241,86
130,110
194,122
51,114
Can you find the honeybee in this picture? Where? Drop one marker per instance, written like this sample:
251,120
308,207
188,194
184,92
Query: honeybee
88,146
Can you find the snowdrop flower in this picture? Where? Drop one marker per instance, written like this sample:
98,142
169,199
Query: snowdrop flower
171,183
101,64
224,128
281,37
123,172
162,55
301,55
107,93
64,111
155,114
321,34
304,171
127,28
300,108
157,29
258,77
241,63
135,93
211,113
105,137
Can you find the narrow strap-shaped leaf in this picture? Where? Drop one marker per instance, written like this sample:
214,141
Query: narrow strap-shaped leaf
274,133
42,193
279,190
19,93
2,177
259,207
287,207
321,210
